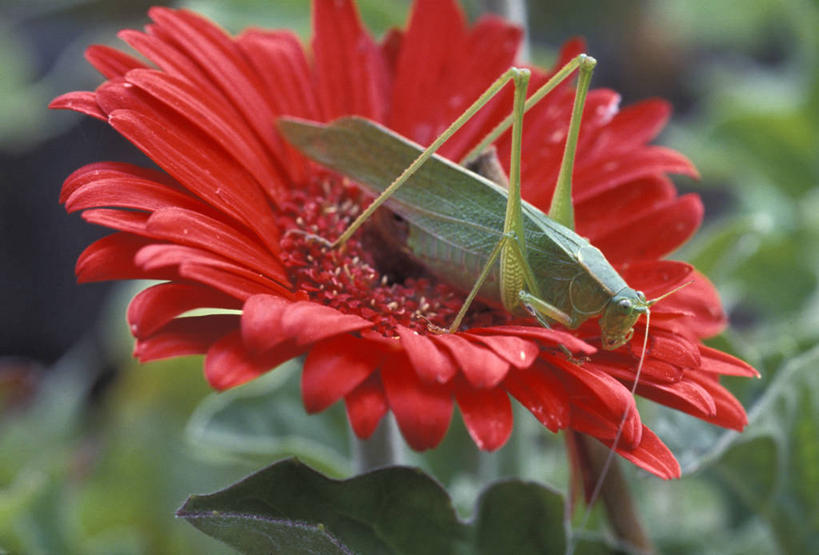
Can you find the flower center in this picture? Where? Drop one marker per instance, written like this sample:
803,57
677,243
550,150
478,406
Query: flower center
369,277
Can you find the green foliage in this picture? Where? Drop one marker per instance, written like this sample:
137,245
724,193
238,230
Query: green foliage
378,15
290,508
104,478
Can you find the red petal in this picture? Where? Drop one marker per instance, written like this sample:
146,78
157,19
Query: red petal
391,46
231,280
729,411
83,102
702,299
185,336
366,405
112,257
132,222
599,396
654,234
217,119
684,396
487,414
722,363
656,277
422,410
168,58
546,336
621,167
435,29
351,74
544,140
221,59
279,60
595,424
111,170
268,322
482,367
602,105
672,348
155,306
624,368
430,363
541,393
334,367
570,49
513,349
203,168
128,192
651,455
208,268
487,52
193,229
111,62
179,118
619,205
635,125
228,364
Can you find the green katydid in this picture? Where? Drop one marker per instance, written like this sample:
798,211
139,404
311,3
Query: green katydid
475,234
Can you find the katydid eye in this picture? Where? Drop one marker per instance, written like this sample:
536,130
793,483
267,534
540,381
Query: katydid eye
624,305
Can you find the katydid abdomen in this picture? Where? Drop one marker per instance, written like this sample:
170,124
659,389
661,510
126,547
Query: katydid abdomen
455,219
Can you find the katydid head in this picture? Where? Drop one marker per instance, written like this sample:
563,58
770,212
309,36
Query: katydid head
623,311
620,315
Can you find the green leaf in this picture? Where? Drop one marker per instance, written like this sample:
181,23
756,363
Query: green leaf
388,510
519,517
258,535
290,508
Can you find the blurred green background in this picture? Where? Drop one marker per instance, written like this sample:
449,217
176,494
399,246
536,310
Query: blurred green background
96,452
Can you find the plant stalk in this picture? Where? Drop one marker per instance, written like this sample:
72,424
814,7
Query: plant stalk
379,450
616,496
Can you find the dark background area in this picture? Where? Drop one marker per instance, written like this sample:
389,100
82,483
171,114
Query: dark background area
45,311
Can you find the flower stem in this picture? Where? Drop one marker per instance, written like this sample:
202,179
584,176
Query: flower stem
616,496
379,450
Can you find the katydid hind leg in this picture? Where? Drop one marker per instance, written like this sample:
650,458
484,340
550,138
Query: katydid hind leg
515,271
553,82
516,275
512,74
514,268
561,209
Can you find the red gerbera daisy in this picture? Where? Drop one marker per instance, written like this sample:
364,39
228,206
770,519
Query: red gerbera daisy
213,224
